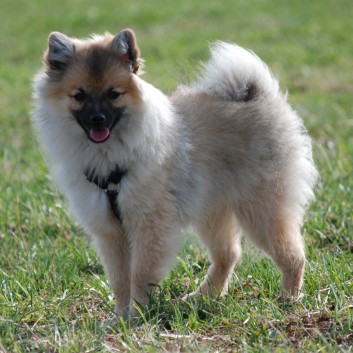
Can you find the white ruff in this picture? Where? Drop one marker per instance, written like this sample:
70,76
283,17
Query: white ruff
140,142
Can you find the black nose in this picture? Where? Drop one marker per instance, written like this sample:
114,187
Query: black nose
98,119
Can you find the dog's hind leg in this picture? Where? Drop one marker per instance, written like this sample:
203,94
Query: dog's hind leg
221,235
286,248
277,232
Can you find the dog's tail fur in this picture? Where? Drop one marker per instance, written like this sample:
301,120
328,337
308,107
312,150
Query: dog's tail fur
237,74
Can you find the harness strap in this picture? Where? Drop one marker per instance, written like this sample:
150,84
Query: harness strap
103,183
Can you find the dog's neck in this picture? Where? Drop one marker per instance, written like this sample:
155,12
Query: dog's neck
110,185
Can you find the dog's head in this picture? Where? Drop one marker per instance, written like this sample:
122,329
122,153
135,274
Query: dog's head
95,77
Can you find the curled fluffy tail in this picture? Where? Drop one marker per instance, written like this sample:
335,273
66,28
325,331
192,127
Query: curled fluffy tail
237,74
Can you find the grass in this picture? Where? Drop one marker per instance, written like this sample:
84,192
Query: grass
54,296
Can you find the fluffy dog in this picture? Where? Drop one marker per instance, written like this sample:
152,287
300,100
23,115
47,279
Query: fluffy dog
226,154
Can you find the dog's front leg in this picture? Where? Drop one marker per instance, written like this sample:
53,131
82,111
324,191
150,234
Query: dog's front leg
114,252
154,249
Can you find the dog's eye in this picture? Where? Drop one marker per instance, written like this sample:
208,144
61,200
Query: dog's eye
80,96
112,95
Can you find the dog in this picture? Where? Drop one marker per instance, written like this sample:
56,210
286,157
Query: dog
225,154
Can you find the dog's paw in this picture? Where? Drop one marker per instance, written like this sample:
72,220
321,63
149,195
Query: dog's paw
193,296
122,312
137,310
289,299
110,322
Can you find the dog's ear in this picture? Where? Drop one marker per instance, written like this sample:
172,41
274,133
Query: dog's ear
125,44
60,51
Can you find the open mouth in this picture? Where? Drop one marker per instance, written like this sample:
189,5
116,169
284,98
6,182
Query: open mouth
99,135
98,126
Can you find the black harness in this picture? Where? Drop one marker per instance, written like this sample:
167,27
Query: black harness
104,183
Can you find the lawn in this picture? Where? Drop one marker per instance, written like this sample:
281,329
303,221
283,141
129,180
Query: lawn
54,295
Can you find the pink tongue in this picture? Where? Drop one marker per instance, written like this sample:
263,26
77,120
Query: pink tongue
99,135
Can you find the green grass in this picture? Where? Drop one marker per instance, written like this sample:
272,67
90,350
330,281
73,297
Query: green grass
54,296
